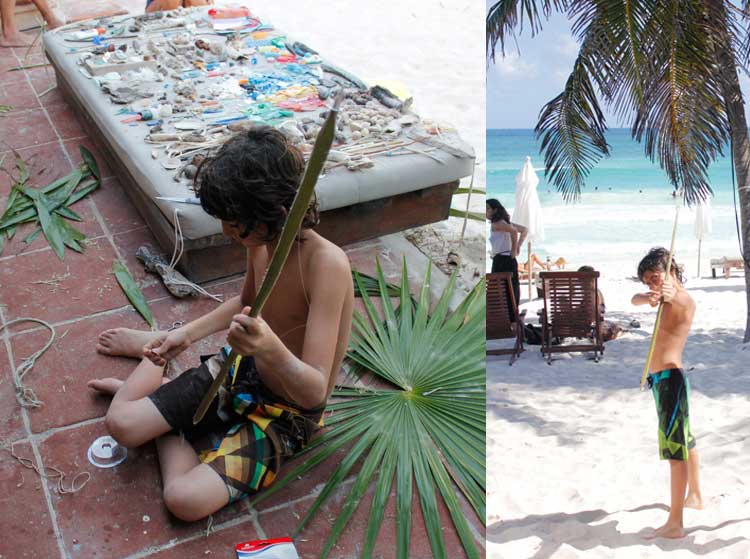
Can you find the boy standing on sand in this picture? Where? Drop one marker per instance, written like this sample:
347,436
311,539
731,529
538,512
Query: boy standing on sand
670,386
275,394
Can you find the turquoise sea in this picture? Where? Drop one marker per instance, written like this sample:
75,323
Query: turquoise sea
625,208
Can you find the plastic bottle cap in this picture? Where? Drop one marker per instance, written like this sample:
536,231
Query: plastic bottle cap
105,452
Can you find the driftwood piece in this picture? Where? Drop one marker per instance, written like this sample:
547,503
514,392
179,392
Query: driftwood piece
177,284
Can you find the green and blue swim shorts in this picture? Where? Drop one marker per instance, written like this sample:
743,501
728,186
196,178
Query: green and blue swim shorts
671,393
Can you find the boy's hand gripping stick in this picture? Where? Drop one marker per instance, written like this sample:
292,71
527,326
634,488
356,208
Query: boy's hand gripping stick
293,222
668,271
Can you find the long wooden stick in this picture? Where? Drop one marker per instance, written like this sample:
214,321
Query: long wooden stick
661,304
293,222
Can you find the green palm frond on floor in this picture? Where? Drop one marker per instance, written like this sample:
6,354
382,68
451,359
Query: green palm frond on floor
426,430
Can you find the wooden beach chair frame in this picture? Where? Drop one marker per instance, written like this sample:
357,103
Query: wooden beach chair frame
503,319
726,264
571,310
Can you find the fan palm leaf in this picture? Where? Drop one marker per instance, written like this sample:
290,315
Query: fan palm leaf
425,429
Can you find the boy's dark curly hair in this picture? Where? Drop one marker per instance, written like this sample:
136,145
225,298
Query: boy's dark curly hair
656,261
252,180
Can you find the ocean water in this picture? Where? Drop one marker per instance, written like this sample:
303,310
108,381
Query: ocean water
625,208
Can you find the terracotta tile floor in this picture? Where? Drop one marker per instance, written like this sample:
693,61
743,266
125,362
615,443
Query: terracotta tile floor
119,513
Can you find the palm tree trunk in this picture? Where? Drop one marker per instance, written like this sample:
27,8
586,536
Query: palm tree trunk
735,107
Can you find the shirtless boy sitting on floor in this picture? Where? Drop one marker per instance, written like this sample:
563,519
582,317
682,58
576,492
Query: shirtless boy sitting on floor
290,356
670,386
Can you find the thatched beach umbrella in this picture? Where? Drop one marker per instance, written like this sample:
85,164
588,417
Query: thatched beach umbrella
702,226
528,210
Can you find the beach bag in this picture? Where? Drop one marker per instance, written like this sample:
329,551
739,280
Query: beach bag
532,335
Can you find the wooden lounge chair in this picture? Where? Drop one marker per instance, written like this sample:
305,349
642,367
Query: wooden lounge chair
726,264
571,310
503,318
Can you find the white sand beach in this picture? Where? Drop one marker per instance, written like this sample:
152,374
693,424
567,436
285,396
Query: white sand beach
572,464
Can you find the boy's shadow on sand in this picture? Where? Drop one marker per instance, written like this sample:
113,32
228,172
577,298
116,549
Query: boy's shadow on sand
577,531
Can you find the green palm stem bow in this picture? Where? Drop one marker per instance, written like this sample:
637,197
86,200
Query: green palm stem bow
293,222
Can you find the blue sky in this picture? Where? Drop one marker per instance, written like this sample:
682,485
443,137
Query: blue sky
519,85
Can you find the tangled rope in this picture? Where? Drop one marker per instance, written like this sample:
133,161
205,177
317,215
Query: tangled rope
56,472
25,395
27,399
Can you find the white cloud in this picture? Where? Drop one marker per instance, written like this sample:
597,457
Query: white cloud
561,76
568,46
512,67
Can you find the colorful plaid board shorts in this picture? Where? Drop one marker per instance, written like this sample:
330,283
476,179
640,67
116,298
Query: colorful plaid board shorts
671,392
247,432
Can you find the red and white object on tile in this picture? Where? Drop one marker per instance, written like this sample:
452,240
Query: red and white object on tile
279,548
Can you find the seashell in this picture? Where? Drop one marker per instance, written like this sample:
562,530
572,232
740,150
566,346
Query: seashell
188,125
171,164
162,137
338,156
190,171
360,163
193,138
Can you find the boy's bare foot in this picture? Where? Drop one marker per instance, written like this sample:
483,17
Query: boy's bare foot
667,531
111,385
106,385
694,502
125,342
16,40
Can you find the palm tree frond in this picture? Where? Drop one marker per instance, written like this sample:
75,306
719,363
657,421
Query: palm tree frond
571,128
425,433
683,121
505,15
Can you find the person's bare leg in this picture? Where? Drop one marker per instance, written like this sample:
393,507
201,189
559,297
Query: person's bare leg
176,457
111,385
125,342
192,495
673,528
132,418
694,499
47,13
11,36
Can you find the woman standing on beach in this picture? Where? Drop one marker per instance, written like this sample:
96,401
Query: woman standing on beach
506,238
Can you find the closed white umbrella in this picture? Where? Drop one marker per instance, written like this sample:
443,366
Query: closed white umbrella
528,210
702,226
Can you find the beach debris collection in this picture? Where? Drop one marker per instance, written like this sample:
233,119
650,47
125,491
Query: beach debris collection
190,78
